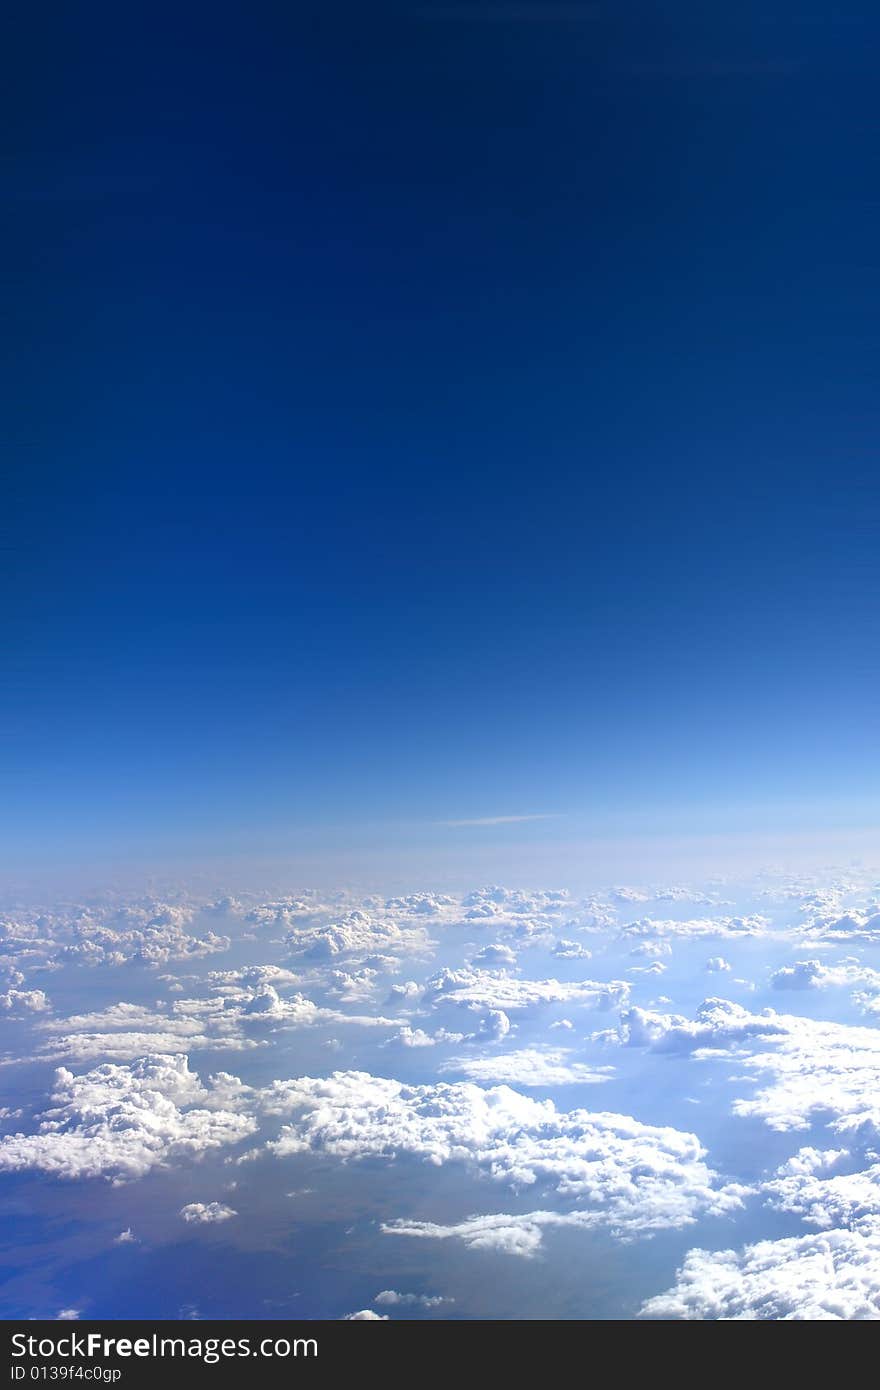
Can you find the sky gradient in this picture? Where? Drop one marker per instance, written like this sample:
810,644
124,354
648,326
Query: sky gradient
437,413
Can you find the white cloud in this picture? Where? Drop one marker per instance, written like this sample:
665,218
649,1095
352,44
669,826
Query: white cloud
804,974
700,928
365,1315
564,949
678,894
495,954
119,1015
818,1068
841,1199
635,1177
252,976
352,986
423,905
812,974
485,989
506,1235
631,895
815,1068
652,949
414,1037
407,992
121,1121
390,1298
362,936
493,1026
206,1213
417,1037
527,916
810,1160
290,911
717,1024
148,933
32,1001
122,1032
530,1066
234,1010
474,1108
124,1047
824,1276
852,927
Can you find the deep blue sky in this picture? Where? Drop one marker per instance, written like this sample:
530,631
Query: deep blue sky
424,412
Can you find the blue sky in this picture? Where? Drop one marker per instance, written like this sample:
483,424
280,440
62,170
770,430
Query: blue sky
435,413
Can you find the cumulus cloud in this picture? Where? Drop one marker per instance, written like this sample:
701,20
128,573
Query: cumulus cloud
634,1177
484,989
507,1235
840,1199
362,936
252,976
493,1026
125,1031
296,1011
286,911
32,1001
496,954
150,933
652,949
390,1298
121,1121
814,1068
476,1104
417,1037
236,1012
155,1033
124,1046
809,1160
700,927
423,905
206,1213
521,1235
564,949
365,1315
530,1066
827,1276
405,992
813,974
717,1024
529,918
848,928
414,1037
496,900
